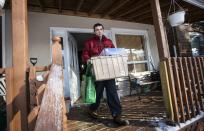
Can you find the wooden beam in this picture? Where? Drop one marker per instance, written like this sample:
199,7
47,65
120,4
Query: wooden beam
137,6
32,117
181,67
178,89
140,13
173,97
66,12
199,18
148,21
196,64
162,43
193,84
166,90
39,94
20,62
60,6
79,5
42,68
96,7
201,64
41,3
145,11
196,12
32,87
197,87
196,16
143,18
115,7
189,87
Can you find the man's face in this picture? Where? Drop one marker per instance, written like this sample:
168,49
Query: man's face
99,31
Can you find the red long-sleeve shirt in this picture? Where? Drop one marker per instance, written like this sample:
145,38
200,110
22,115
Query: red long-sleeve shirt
93,47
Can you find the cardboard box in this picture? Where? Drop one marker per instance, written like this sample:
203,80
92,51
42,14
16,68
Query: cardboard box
109,67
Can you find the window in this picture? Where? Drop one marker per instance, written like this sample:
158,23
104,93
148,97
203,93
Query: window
197,43
136,49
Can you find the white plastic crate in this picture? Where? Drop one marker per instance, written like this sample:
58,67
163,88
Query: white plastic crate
109,67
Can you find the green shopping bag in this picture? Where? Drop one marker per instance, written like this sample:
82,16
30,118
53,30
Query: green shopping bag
90,90
90,94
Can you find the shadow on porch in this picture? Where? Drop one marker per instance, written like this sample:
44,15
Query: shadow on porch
140,113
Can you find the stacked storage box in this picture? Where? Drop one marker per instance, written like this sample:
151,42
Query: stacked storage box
109,67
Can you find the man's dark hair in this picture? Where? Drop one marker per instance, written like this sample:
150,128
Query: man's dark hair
97,24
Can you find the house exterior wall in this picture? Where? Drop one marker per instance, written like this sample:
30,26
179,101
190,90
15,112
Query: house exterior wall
39,33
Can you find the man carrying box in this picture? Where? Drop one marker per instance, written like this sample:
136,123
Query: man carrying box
93,47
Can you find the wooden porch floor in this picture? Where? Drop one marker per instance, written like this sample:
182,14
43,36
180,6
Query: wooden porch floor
140,113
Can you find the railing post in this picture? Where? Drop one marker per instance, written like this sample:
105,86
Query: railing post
20,62
32,86
166,90
56,51
162,43
182,85
53,100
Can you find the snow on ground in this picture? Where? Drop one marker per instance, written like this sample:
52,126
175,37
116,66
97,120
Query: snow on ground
162,126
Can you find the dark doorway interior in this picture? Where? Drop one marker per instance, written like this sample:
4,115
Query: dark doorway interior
80,40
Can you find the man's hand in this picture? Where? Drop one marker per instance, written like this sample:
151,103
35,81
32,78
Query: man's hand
88,61
83,68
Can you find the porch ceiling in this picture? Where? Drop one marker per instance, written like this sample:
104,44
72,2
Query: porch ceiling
126,10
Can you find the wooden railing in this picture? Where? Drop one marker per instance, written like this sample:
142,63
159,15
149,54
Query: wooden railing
36,92
48,111
197,125
36,88
183,87
51,111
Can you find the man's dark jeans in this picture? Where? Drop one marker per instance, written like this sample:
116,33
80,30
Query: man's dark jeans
112,96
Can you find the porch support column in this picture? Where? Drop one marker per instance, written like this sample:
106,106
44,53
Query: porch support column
20,56
162,42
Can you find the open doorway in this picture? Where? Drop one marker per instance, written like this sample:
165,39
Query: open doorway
72,41
80,39
73,46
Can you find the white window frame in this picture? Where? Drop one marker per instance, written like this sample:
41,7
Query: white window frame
140,32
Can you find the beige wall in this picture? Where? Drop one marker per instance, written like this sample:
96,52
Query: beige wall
39,33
